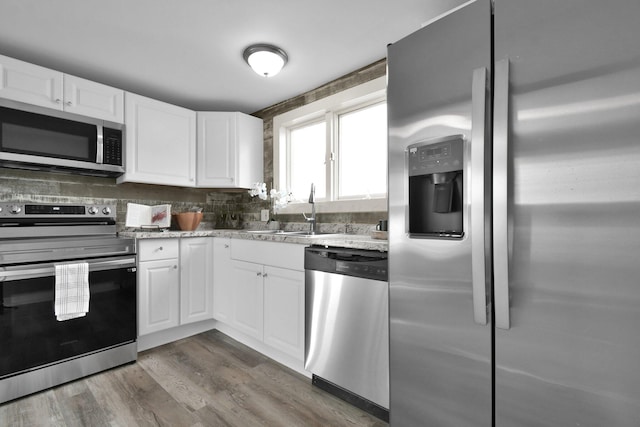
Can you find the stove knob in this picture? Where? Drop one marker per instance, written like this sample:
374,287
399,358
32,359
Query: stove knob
15,209
92,210
106,210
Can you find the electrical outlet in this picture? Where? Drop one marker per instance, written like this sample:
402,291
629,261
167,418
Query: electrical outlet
264,215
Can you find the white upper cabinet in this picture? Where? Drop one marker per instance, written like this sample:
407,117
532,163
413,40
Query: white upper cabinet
93,99
161,143
32,84
230,152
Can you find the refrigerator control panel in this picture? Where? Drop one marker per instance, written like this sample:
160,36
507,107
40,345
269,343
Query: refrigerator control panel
435,157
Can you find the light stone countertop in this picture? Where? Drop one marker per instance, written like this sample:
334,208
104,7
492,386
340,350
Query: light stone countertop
354,241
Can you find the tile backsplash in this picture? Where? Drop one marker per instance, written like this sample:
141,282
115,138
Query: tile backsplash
222,209
47,187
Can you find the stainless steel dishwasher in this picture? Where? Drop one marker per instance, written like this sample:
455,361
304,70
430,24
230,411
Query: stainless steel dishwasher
347,325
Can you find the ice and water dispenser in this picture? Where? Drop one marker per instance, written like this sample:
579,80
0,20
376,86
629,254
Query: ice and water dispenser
435,170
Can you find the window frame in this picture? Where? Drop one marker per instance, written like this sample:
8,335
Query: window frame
326,109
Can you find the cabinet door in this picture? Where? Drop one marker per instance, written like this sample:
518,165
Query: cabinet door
216,149
32,84
196,279
284,310
247,298
93,99
249,140
230,152
159,293
161,144
222,280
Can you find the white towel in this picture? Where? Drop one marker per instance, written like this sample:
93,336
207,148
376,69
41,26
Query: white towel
72,290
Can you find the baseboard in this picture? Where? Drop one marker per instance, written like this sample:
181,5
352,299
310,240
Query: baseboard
145,342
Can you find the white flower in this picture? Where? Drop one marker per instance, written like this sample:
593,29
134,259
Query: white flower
280,199
259,189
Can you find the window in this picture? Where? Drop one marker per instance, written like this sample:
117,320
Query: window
339,144
362,152
306,163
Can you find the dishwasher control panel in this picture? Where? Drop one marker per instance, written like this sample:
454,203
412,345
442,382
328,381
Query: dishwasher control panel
363,269
349,262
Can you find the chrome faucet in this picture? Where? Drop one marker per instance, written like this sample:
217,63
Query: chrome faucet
313,229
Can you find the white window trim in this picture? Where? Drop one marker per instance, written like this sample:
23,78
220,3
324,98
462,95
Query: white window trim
365,92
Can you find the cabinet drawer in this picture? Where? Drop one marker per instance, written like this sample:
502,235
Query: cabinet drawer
276,254
155,249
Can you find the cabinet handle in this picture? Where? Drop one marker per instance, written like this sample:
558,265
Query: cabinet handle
58,100
226,246
264,275
258,274
175,267
160,248
69,103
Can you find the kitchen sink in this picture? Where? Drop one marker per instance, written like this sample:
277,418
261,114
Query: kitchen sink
267,231
311,234
293,233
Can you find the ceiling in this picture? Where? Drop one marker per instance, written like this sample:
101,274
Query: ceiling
189,52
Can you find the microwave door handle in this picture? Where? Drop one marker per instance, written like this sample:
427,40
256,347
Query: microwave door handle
49,269
99,144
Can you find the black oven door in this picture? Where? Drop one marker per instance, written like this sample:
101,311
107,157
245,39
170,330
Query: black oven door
31,335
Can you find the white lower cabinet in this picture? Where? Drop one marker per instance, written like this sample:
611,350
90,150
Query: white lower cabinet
196,279
247,298
284,310
158,285
262,291
222,280
175,282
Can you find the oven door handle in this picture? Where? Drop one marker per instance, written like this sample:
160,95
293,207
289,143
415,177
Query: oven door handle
31,271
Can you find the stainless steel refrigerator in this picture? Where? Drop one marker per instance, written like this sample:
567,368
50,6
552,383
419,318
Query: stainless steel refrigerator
514,208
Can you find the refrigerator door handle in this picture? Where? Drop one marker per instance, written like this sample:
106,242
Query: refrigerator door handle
479,195
500,195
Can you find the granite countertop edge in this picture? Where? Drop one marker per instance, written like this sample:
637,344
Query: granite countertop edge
353,241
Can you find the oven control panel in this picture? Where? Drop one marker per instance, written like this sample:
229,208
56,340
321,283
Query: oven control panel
36,210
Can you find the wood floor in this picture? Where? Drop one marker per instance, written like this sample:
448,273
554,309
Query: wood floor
205,380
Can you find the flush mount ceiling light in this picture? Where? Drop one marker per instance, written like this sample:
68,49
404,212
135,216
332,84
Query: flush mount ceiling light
265,59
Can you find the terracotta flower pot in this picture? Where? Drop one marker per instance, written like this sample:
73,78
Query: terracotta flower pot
187,221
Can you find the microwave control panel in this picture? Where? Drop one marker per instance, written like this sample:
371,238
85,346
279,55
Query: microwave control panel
112,147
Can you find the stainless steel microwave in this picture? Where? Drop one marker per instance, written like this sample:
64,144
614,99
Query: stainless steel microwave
37,138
